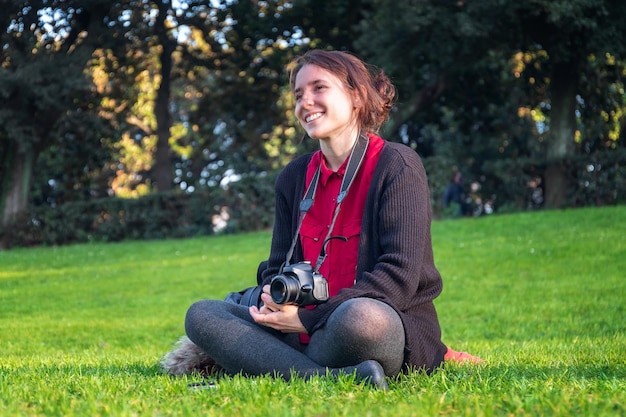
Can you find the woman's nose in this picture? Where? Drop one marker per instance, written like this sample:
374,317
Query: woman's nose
307,98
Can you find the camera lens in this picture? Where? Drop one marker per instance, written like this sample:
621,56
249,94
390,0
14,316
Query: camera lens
284,289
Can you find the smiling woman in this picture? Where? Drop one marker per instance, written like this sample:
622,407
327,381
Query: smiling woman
351,238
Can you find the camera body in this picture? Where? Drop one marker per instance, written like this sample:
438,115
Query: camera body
299,284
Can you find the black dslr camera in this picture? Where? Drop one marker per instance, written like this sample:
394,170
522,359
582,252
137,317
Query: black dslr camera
298,284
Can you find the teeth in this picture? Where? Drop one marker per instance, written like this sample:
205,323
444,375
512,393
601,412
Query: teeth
312,117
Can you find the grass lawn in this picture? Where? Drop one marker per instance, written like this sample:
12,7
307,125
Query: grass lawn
540,296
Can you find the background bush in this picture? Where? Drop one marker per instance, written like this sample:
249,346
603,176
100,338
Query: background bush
247,205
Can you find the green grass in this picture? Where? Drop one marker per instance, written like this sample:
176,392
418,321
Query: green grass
540,296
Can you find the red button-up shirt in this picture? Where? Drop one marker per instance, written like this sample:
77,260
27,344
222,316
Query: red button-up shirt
339,268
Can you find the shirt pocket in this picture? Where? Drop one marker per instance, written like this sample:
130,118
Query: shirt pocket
340,265
312,236
346,252
349,231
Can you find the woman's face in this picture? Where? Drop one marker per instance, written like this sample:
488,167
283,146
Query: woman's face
324,106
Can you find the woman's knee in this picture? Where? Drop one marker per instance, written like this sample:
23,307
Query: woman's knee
362,329
367,318
196,314
199,310
205,314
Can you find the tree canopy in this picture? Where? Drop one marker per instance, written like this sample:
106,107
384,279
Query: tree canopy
132,97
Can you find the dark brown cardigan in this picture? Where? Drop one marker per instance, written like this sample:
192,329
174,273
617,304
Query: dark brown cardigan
395,261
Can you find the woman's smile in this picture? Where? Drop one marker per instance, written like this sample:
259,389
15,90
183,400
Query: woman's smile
311,117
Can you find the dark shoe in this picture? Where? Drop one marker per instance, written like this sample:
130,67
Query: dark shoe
371,372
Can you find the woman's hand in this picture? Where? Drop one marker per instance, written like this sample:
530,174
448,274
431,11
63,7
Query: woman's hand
283,317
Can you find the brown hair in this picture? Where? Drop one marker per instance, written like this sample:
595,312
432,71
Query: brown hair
373,87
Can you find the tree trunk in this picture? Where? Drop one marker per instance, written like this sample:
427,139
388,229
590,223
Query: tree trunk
18,172
563,88
162,170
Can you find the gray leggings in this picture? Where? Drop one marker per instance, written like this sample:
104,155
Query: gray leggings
360,335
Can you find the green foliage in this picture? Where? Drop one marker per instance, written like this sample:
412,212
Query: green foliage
245,205
600,179
44,92
472,76
330,24
539,296
475,80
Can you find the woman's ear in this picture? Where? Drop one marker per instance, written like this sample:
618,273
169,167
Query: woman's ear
358,96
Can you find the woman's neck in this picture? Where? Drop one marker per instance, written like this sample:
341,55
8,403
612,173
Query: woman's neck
337,151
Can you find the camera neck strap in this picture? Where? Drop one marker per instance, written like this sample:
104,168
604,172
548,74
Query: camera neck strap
357,155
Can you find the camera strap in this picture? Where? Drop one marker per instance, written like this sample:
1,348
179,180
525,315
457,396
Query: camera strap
357,154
